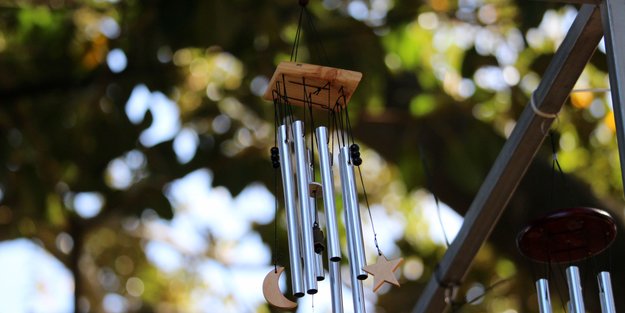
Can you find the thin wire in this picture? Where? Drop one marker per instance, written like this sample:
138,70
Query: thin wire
555,164
563,277
333,133
341,127
591,90
313,136
350,134
484,293
316,36
364,191
275,223
295,48
275,191
428,181
349,125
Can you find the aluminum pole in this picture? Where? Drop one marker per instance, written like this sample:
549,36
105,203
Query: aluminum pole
301,170
544,301
355,243
336,287
613,25
327,183
605,293
291,211
576,298
358,298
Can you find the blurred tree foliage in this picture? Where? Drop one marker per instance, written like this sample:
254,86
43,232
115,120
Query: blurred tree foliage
443,80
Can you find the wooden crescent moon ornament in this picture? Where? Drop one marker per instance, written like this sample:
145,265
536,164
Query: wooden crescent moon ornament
272,293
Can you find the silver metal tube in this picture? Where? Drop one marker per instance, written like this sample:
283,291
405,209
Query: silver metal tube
291,211
605,293
358,297
327,185
544,300
336,287
301,170
576,298
352,215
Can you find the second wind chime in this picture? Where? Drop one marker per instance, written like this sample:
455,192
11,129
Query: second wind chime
566,237
328,89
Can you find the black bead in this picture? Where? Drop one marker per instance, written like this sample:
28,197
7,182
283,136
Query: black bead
275,158
276,164
357,161
354,147
274,151
355,154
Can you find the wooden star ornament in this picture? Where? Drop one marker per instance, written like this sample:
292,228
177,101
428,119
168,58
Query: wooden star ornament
383,271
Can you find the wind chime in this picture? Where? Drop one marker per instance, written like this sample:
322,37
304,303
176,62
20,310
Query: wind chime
565,237
298,85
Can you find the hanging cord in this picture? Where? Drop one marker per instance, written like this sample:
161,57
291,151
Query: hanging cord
295,48
275,224
364,191
354,150
313,139
340,125
459,305
333,131
316,37
287,107
607,239
349,125
275,159
563,278
550,275
555,165
428,182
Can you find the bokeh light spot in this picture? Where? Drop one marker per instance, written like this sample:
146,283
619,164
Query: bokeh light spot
64,242
114,303
88,204
116,60
135,286
185,145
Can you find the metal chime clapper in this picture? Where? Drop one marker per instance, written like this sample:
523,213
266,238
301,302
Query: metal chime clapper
314,191
581,233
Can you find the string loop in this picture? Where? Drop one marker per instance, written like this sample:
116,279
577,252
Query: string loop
538,111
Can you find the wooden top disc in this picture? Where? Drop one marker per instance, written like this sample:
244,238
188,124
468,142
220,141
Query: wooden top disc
567,235
301,83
